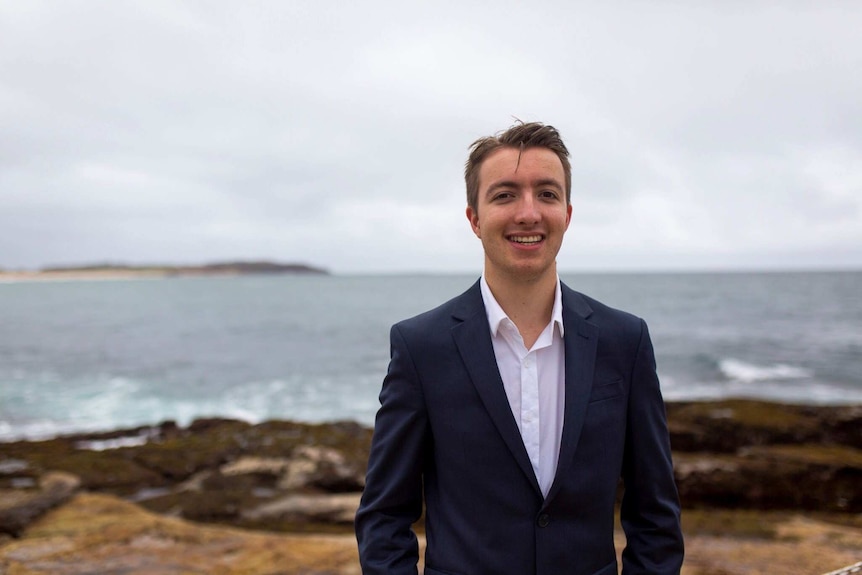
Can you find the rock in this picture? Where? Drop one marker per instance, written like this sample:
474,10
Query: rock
18,508
233,492
12,466
322,467
96,533
256,465
339,509
802,477
846,426
99,470
206,444
287,476
761,455
726,426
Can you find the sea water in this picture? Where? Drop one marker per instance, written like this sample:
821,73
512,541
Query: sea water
97,355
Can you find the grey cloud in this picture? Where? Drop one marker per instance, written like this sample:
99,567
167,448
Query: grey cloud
702,134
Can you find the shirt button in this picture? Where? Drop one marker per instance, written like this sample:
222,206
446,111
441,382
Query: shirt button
543,520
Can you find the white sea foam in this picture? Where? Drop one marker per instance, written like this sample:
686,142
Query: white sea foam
109,403
804,392
43,429
735,369
117,442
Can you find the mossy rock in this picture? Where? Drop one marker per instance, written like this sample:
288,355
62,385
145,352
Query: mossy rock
736,523
209,506
106,471
726,426
241,482
835,456
98,470
746,413
808,477
37,453
281,438
177,458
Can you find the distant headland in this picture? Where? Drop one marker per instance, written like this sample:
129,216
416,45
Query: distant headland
127,271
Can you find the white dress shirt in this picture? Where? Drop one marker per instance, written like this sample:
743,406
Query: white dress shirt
534,381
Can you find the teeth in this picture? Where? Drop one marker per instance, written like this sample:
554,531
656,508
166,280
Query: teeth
526,239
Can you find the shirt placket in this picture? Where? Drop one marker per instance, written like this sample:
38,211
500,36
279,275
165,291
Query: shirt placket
530,408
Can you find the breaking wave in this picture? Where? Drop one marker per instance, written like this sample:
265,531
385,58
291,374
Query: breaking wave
737,370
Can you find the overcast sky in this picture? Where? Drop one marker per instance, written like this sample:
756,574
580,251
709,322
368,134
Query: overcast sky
704,135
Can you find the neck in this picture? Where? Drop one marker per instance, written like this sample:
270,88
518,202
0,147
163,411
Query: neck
528,302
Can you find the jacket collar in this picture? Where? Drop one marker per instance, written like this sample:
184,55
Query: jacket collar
473,339
470,303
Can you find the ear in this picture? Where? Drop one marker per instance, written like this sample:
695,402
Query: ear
568,215
473,217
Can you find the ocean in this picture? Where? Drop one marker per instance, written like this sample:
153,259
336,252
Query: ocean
98,355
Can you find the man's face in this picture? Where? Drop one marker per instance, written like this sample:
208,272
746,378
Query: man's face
521,213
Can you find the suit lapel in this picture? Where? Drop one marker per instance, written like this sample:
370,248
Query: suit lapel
581,343
473,338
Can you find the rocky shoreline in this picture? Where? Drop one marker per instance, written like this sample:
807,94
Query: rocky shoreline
736,462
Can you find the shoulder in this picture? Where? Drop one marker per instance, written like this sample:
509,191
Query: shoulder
445,315
608,318
620,334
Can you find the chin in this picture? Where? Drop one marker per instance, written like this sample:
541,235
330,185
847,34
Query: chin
530,272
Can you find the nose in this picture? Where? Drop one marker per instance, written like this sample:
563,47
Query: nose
528,210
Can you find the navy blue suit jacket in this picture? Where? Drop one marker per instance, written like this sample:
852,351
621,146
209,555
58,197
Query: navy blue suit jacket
445,431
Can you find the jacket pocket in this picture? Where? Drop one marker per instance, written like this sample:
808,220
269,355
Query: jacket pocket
606,389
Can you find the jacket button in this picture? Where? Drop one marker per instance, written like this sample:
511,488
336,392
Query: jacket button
543,520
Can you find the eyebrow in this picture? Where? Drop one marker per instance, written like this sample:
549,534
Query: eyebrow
502,184
548,182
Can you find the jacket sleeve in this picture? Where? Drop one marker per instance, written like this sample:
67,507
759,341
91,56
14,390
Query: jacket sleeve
650,512
392,499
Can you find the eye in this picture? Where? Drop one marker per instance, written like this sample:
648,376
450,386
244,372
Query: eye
549,194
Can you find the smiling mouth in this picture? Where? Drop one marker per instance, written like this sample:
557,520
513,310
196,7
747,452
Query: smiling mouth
526,240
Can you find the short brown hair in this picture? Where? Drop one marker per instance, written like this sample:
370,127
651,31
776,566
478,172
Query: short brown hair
521,136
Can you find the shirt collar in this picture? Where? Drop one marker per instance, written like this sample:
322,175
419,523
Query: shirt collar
496,315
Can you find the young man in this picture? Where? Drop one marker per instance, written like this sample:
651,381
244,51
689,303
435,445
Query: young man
514,409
